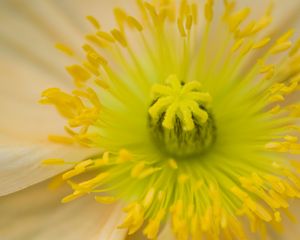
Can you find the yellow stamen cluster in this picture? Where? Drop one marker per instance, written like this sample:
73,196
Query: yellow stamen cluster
157,73
81,109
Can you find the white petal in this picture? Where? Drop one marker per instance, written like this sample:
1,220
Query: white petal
37,214
21,164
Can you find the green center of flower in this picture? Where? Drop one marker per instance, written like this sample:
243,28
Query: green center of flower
179,118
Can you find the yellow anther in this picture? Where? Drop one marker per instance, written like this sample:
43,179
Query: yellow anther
134,218
237,44
78,169
285,37
246,31
151,230
93,21
290,191
239,193
237,18
229,7
124,156
258,209
161,196
93,57
61,139
65,49
91,68
291,139
72,196
261,24
120,16
275,109
148,172
208,10
277,216
149,198
96,40
276,98
105,157
134,23
152,11
279,198
280,47
106,36
53,161
262,43
96,181
194,10
136,171
105,199
296,165
183,9
273,146
78,73
247,48
267,68
101,83
189,22
295,49
173,164
119,37
72,173
181,27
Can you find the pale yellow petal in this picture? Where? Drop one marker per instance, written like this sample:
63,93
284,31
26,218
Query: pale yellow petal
21,163
37,214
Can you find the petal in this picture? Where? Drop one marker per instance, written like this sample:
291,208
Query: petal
166,233
291,229
36,213
29,63
110,230
21,115
21,164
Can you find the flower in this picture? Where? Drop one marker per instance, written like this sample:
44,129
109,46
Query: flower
197,114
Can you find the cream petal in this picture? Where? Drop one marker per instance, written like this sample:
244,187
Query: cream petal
37,214
110,230
101,10
291,229
166,233
22,117
21,164
29,63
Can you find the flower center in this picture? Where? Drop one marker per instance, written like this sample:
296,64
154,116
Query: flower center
179,117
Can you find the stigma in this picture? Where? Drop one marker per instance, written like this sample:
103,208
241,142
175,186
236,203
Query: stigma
180,118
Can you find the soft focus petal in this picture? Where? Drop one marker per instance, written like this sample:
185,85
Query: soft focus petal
29,63
166,233
291,229
37,214
110,230
21,164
